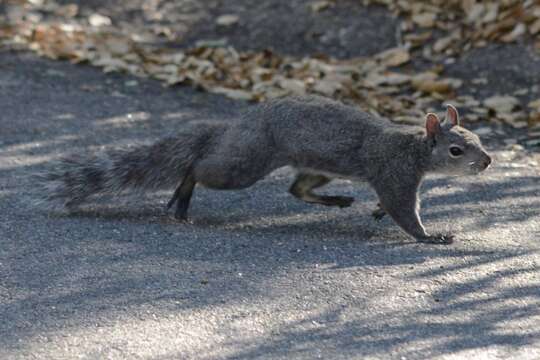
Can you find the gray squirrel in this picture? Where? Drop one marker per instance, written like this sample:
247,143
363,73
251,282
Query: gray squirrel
321,138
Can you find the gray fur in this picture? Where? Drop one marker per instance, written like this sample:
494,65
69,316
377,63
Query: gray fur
73,179
320,137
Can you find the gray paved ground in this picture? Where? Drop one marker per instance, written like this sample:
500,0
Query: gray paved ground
258,275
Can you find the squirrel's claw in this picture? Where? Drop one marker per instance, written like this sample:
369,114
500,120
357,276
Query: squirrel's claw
378,213
182,217
441,239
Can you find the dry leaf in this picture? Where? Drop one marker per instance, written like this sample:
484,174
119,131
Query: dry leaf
534,28
394,57
534,119
426,20
518,31
491,13
319,6
69,10
325,87
388,78
501,104
434,86
232,93
422,77
534,105
227,20
475,13
294,86
408,119
443,43
417,39
99,20
517,120
118,45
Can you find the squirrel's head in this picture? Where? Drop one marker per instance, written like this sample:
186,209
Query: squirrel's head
454,149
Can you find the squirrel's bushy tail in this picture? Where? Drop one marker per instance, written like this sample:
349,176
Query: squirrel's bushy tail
70,180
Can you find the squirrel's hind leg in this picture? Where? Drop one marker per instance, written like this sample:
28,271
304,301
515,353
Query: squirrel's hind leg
182,197
303,186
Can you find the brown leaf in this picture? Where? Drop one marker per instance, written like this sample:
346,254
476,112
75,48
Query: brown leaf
394,57
426,20
534,28
418,39
534,105
517,32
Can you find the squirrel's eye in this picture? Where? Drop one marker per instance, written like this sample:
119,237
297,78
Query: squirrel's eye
456,151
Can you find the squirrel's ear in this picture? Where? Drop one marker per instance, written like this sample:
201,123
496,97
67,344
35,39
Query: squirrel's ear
433,125
452,114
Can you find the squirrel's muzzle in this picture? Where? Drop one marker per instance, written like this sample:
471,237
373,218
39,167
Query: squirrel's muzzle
486,161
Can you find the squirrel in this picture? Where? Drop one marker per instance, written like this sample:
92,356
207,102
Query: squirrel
322,138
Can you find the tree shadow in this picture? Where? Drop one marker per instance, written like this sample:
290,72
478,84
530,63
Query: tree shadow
460,316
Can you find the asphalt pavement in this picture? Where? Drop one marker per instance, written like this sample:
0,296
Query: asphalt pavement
257,274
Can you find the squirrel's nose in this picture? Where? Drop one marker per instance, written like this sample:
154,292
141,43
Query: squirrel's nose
487,160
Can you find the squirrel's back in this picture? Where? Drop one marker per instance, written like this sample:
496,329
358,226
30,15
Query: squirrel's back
320,133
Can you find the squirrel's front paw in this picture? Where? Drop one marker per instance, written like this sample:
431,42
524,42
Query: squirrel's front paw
442,239
378,214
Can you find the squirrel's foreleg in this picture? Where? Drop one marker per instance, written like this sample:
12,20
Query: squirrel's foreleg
402,204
